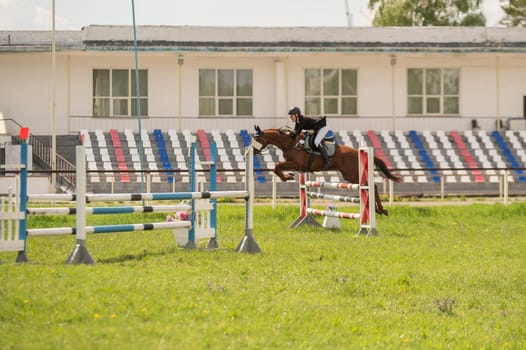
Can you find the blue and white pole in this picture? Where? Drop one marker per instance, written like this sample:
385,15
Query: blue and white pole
24,138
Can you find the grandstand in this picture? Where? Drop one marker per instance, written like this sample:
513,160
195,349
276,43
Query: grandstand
467,162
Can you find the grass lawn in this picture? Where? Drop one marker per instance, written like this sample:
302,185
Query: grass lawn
440,277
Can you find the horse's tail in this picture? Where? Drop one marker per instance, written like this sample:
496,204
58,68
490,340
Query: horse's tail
382,168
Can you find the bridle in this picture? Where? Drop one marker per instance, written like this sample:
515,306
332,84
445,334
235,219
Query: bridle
262,143
258,146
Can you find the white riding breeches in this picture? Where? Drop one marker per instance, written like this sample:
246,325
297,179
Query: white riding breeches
320,136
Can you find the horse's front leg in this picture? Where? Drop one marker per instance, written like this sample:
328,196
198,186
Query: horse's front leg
283,166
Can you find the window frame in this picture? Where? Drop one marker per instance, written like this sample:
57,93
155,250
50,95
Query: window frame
425,97
112,100
324,101
220,99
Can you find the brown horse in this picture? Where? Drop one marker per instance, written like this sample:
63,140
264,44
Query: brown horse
345,160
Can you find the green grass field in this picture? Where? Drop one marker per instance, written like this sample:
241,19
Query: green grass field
440,277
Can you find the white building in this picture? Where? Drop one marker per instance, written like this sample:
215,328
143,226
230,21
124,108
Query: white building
422,78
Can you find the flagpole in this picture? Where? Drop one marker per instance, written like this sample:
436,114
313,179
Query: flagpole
141,153
53,104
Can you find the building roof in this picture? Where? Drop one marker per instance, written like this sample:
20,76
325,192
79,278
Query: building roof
272,39
39,40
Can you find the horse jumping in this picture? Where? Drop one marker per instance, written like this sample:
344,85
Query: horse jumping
345,160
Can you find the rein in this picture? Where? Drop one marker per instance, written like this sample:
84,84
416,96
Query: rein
287,148
292,144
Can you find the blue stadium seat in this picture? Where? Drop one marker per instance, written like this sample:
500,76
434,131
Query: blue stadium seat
509,155
163,154
428,162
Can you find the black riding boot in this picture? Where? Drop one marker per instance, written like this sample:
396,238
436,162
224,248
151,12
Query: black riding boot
325,156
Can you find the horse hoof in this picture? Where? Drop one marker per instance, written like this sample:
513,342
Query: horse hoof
382,212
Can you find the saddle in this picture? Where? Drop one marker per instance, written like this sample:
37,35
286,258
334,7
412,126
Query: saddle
309,146
308,138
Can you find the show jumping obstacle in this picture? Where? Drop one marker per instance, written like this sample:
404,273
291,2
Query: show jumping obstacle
10,216
12,211
204,213
366,197
344,161
80,253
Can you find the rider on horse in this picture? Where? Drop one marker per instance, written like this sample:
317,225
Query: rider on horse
319,125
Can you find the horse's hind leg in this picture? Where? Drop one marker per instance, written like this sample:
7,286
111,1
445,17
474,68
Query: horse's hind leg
379,208
352,177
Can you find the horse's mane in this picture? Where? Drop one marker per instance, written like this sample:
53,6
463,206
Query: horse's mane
277,137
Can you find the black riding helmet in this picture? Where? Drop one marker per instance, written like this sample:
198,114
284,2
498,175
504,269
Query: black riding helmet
294,110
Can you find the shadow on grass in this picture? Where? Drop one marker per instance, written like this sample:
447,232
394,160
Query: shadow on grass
135,257
149,254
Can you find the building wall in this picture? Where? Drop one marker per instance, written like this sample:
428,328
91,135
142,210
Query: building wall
26,89
512,85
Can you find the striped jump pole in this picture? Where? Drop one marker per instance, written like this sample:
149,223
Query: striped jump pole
117,197
336,185
110,228
334,197
110,210
333,214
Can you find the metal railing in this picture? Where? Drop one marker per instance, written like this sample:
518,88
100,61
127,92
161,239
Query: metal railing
503,184
42,156
441,188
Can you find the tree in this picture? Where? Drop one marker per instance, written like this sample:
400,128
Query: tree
428,12
515,13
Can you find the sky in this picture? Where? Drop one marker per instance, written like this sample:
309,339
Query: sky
75,14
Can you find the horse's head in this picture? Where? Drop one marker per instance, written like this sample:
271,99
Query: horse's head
276,137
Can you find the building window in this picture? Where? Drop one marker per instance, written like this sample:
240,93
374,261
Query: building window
331,91
225,92
115,94
433,91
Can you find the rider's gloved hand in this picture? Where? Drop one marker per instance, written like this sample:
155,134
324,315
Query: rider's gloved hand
300,144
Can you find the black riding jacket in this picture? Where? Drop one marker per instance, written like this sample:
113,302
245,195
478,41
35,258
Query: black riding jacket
309,123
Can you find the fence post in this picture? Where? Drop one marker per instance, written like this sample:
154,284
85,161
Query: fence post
24,137
80,254
506,187
367,191
391,193
442,185
248,244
